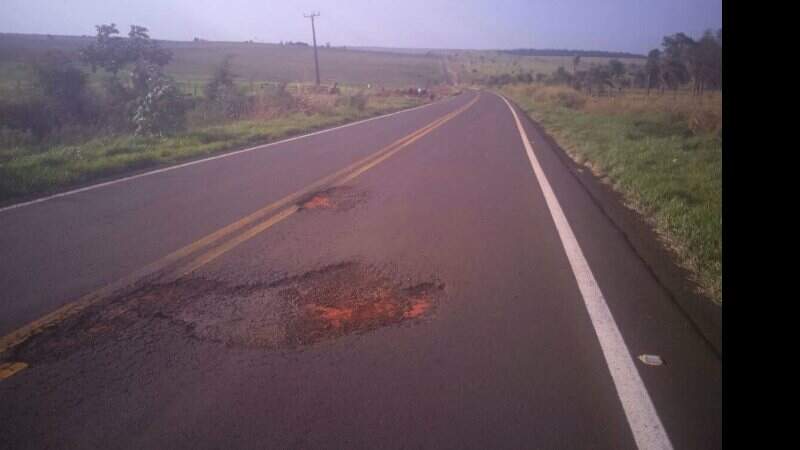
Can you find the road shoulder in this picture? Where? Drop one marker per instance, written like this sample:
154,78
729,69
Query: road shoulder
704,314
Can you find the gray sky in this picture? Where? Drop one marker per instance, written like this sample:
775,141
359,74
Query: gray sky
620,25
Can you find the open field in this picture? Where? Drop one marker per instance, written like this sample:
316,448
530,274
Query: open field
473,67
255,63
193,62
662,152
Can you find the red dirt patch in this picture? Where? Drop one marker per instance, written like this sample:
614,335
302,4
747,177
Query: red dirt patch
350,298
340,198
318,201
419,306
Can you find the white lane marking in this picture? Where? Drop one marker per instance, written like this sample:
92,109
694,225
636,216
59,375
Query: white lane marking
645,424
199,161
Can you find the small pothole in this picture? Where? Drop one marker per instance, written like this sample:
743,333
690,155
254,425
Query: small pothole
340,198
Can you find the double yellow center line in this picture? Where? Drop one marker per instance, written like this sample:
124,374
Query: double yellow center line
257,222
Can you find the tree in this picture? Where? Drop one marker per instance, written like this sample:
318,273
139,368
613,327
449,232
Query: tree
638,76
561,76
152,96
63,84
113,53
222,79
672,73
107,51
579,81
701,60
575,62
708,60
525,77
679,63
162,110
652,69
617,72
222,90
598,78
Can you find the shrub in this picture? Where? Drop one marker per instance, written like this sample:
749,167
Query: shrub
231,102
705,120
162,110
64,86
570,99
35,115
274,101
221,81
356,101
15,138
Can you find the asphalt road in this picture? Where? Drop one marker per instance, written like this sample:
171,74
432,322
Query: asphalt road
421,295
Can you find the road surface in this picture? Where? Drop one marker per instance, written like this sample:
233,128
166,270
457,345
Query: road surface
427,279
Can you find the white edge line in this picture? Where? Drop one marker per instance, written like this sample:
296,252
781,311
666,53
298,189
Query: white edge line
211,158
648,432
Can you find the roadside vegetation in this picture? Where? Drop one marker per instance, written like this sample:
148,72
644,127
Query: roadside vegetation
654,131
65,130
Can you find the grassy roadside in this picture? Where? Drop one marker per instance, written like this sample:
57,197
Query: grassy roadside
663,153
26,170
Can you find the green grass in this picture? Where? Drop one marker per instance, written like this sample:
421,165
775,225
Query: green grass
654,151
30,170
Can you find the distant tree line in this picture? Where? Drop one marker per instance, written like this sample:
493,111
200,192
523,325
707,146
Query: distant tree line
684,60
295,44
562,52
681,61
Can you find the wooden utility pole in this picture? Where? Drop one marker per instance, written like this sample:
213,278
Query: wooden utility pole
314,36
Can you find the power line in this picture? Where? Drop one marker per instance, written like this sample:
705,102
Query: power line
314,36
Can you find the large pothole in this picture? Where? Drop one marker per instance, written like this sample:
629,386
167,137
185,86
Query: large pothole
291,312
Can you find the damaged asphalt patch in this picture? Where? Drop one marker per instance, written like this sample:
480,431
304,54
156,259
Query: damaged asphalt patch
340,198
292,312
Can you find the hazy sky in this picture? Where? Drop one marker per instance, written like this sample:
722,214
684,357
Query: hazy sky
623,25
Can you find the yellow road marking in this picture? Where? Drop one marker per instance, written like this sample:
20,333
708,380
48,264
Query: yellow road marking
346,174
9,369
252,232
218,251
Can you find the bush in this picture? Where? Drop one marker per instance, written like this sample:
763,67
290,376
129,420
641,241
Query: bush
221,81
231,102
356,101
570,99
116,106
704,120
34,115
162,110
64,86
15,138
